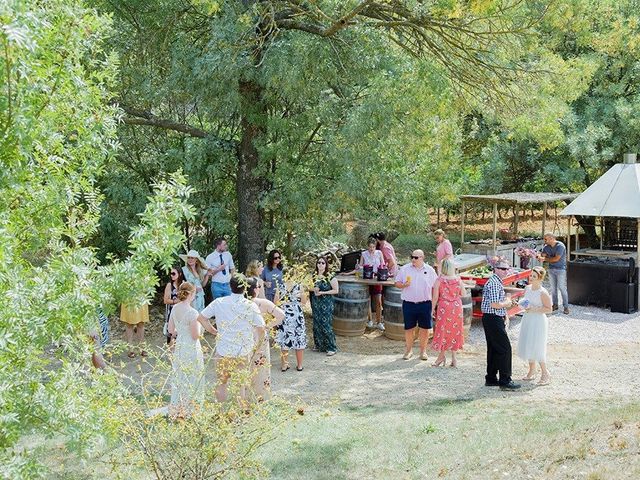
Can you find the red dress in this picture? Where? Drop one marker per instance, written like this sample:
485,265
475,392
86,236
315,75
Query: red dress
449,331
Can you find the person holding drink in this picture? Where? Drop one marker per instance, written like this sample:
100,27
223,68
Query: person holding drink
195,272
494,321
272,275
416,281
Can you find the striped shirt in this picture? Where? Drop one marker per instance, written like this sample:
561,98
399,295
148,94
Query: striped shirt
493,292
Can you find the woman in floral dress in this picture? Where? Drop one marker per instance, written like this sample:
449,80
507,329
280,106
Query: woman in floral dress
195,272
292,334
322,303
449,331
261,359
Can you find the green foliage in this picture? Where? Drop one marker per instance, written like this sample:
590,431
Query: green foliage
57,131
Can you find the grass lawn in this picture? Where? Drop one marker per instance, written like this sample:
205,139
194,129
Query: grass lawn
505,437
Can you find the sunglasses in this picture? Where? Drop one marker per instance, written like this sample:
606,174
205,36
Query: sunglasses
321,263
502,268
276,258
173,274
414,257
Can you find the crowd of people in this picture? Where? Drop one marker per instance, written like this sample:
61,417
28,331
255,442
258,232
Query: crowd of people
246,308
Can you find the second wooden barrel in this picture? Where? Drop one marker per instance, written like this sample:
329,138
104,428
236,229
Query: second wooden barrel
393,320
351,309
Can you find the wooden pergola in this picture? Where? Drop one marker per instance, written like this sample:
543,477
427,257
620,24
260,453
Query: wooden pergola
515,198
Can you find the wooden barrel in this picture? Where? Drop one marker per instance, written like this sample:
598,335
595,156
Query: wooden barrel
351,309
393,320
467,312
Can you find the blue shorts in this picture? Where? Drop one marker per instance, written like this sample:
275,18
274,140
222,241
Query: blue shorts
416,314
220,290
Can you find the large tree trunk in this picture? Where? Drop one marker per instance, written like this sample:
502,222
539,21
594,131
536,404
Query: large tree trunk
249,187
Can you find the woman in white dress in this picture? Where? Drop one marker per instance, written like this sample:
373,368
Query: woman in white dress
187,383
532,344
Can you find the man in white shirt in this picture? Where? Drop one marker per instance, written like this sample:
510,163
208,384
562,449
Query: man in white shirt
221,269
235,318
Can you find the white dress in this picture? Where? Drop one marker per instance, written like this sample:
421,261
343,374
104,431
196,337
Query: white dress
532,343
187,382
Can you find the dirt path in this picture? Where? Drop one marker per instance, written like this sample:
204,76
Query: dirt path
592,353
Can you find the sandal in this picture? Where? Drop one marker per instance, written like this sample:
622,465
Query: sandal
143,353
284,368
543,381
528,378
439,363
131,354
453,364
299,369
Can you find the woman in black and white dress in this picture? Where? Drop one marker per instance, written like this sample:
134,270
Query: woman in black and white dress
292,333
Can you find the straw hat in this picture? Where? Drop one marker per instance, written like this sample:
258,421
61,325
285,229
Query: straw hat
196,255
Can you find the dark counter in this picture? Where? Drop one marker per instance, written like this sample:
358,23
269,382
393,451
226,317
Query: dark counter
604,284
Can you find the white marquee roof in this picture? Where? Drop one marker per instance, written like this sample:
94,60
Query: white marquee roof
614,194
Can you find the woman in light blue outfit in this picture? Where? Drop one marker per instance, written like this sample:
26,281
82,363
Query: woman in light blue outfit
195,272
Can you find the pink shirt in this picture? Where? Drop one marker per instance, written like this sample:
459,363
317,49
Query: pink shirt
422,281
444,248
387,253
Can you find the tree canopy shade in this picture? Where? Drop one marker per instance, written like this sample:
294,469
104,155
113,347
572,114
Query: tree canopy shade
316,107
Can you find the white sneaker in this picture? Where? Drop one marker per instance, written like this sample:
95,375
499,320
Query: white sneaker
370,324
381,327
330,353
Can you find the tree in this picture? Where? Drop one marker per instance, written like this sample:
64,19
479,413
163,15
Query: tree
286,88
57,130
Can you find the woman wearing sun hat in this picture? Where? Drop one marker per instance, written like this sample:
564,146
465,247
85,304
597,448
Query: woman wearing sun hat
195,272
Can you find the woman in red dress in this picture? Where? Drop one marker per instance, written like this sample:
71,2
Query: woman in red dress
449,330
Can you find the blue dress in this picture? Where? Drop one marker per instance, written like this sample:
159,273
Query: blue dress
275,277
198,302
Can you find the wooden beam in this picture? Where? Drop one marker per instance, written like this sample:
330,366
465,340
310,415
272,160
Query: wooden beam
601,233
516,208
569,239
462,227
495,226
544,219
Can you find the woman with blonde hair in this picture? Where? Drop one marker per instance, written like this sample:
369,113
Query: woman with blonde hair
187,385
532,343
447,307
195,272
254,270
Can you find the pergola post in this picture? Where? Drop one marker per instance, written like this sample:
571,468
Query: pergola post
601,233
515,220
462,227
569,239
495,225
638,259
544,219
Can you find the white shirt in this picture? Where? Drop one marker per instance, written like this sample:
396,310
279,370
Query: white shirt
374,259
213,261
235,318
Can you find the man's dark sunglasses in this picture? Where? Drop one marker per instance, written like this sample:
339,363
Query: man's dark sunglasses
502,268
414,257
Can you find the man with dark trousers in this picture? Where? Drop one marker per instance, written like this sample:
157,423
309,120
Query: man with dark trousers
494,321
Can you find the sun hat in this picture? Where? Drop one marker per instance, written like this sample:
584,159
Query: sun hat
196,255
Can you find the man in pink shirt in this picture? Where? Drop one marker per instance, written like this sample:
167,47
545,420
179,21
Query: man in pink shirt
388,253
416,281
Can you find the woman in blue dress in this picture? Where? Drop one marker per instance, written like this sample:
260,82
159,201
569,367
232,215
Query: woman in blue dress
195,272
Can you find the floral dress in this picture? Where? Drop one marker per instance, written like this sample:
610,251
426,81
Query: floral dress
167,312
292,334
198,302
449,331
261,366
322,307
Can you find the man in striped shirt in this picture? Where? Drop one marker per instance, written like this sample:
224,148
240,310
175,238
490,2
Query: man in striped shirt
494,312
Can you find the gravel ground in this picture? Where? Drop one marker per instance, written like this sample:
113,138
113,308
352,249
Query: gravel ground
591,353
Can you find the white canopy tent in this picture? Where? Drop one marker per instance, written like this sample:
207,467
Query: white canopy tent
614,194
